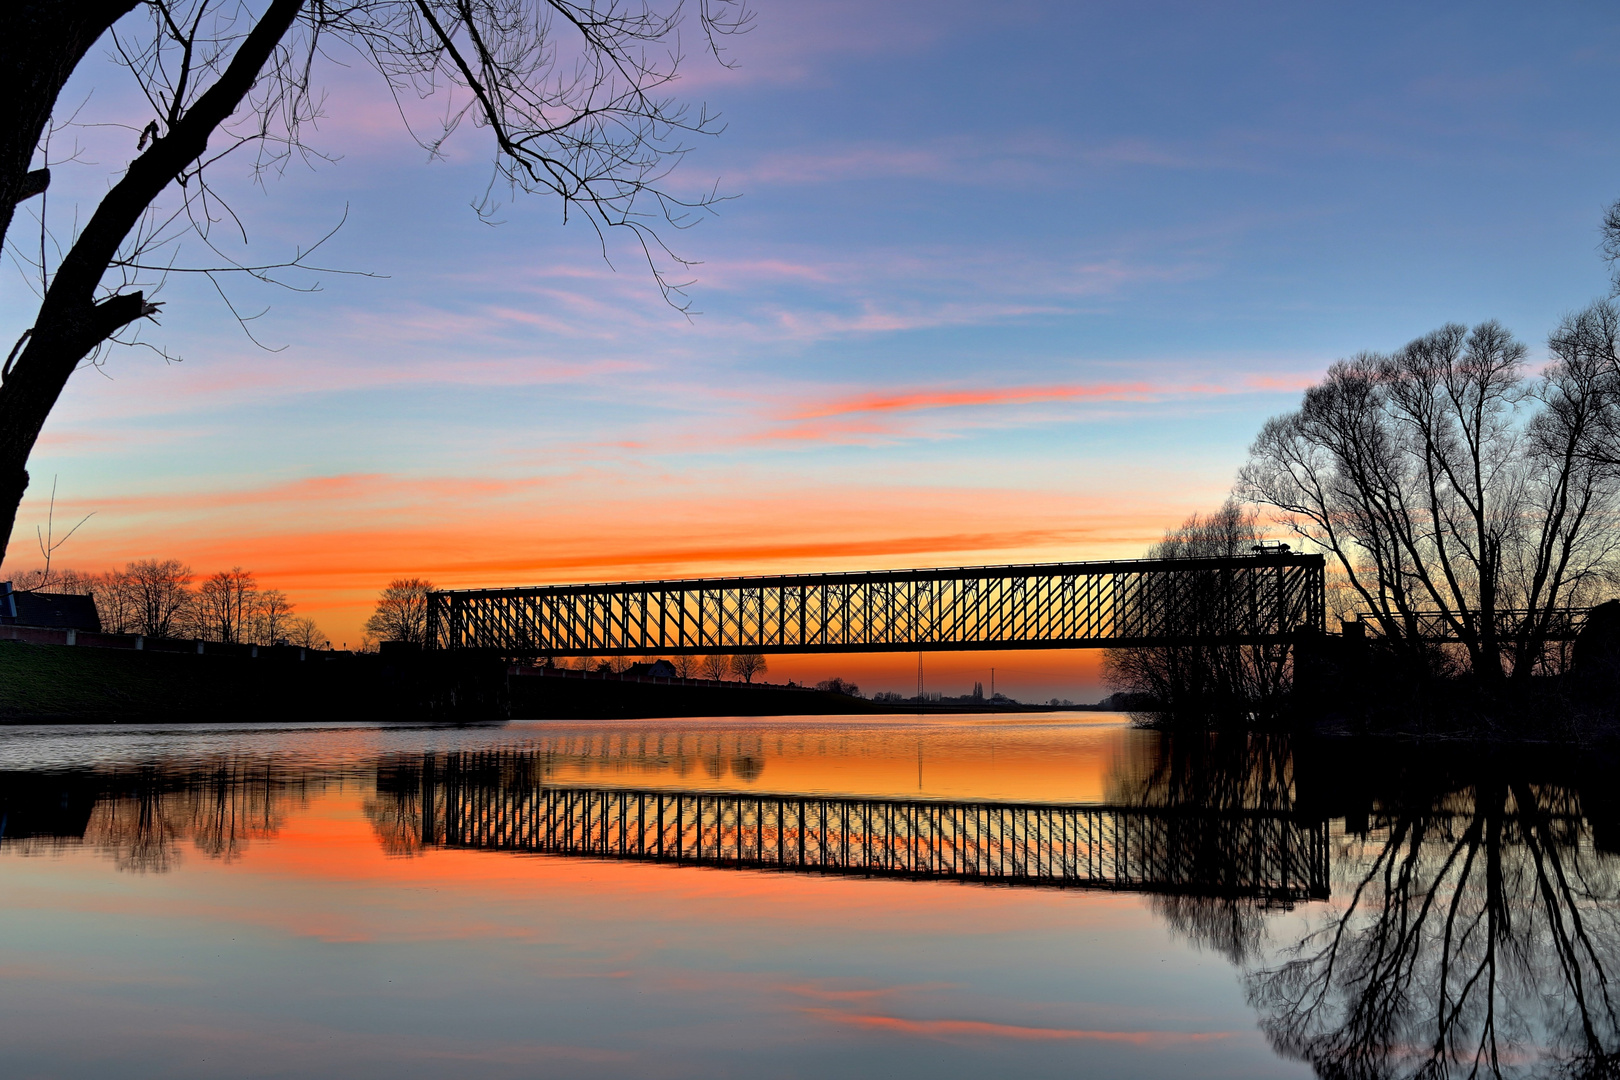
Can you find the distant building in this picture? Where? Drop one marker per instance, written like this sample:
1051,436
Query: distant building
658,669
60,611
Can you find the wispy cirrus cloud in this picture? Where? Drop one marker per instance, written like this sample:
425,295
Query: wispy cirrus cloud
914,400
888,414
1024,159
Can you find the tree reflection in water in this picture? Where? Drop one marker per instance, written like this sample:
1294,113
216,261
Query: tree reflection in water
142,817
1212,773
1473,926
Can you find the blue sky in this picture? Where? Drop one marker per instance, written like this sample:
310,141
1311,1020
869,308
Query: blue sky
1001,282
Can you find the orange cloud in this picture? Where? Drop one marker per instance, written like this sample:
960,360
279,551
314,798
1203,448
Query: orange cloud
895,401
331,542
910,401
1290,383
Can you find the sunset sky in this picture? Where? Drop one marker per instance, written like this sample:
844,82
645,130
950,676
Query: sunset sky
1012,282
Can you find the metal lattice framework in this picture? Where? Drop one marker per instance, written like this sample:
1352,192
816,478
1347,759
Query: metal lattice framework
1258,599
480,801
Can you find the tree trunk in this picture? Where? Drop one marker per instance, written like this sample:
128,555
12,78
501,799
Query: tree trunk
71,323
29,391
41,42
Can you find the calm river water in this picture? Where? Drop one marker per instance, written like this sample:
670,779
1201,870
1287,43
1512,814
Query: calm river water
1051,895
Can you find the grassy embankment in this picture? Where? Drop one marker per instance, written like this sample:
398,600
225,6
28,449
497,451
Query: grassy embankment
62,684
43,684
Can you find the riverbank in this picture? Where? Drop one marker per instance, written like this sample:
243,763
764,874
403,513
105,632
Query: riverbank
78,684
60,684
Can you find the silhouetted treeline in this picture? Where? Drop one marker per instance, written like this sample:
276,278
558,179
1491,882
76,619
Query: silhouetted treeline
1459,493
1468,508
144,818
716,667
164,598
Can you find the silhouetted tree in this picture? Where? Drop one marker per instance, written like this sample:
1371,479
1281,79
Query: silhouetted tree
746,665
304,632
224,605
401,613
1199,681
161,595
270,620
574,95
55,580
1454,491
117,603
715,666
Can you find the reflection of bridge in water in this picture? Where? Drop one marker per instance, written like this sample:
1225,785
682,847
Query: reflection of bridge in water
1254,599
493,802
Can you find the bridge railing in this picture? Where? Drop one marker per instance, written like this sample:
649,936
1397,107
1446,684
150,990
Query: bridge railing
1258,599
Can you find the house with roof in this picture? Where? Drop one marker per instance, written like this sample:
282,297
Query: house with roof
59,611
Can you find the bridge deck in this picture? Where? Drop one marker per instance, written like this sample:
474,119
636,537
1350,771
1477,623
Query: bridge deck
1258,599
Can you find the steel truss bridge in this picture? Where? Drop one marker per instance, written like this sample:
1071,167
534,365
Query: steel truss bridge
490,801
1257,599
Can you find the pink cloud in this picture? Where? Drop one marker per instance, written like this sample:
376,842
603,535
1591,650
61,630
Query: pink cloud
910,401
1292,383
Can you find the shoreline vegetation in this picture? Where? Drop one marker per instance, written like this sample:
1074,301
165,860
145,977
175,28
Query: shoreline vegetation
1348,691
1467,505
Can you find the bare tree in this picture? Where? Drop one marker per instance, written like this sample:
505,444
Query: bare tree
54,580
117,602
1200,681
43,579
1610,245
1454,492
574,95
685,665
304,632
746,665
225,604
715,667
272,617
160,590
401,613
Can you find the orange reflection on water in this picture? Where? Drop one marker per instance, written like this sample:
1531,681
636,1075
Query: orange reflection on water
274,897
1051,757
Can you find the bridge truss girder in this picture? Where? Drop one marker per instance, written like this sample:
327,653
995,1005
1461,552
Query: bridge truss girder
1259,599
492,802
